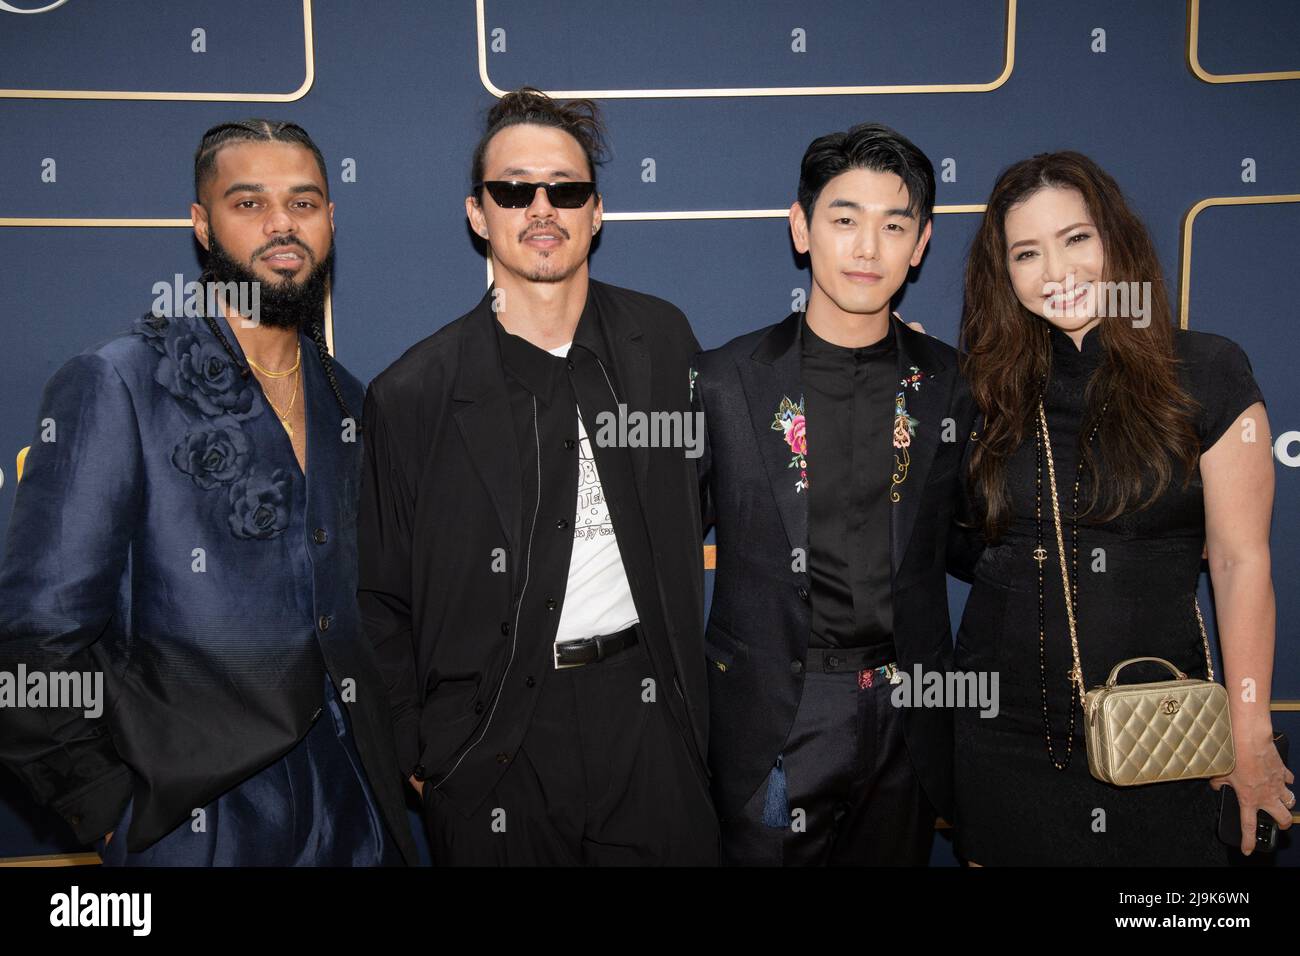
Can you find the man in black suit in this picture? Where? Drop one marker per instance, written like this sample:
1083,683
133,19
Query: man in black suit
545,660
831,474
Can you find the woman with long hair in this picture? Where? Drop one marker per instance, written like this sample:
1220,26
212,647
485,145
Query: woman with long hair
1150,446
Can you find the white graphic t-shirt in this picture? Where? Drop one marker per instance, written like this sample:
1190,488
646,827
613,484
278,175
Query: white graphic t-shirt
597,599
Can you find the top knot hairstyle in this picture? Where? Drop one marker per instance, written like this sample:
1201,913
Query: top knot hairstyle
870,146
579,118
205,168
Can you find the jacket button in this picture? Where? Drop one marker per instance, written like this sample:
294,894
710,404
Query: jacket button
503,758
796,666
478,708
833,661
550,604
570,363
569,443
418,771
561,524
803,593
319,536
324,622
529,682
75,821
505,628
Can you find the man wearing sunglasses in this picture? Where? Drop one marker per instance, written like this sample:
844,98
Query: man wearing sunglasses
545,661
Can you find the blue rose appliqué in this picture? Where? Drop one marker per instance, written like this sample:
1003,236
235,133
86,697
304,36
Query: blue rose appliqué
154,329
194,367
213,456
259,506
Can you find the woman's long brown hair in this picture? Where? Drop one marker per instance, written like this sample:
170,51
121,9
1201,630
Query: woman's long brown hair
1148,424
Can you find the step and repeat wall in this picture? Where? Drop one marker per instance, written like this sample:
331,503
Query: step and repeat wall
1194,107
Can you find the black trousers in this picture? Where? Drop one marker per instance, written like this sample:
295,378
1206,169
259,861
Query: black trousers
603,777
852,797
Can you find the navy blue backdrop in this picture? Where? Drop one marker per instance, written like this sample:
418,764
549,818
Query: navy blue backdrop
1194,108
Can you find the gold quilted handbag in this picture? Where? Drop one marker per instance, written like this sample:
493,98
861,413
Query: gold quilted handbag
1166,730
1147,733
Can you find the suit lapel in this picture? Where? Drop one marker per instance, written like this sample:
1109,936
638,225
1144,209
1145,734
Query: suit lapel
923,398
485,421
632,369
770,377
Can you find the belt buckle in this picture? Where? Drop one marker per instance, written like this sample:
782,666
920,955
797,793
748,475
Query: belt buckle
555,653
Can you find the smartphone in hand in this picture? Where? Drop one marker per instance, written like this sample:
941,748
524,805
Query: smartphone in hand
1266,830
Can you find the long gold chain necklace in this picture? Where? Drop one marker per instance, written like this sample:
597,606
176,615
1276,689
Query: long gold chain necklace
284,417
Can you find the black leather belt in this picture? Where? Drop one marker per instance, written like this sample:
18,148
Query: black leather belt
591,649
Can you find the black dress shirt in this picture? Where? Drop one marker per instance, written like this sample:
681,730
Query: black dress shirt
849,395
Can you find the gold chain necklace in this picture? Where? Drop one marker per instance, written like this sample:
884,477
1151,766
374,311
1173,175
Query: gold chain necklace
284,419
297,362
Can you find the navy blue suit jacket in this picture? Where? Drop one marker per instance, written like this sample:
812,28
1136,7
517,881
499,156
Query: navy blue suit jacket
164,535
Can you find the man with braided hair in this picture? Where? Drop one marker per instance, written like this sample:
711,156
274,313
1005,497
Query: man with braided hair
188,539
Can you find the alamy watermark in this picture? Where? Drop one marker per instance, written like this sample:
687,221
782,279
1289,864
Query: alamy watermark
75,690
637,429
193,299
1125,300
947,689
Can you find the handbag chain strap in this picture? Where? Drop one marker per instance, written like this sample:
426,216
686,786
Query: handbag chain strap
1076,672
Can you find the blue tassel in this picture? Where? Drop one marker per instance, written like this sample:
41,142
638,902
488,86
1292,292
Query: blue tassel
776,808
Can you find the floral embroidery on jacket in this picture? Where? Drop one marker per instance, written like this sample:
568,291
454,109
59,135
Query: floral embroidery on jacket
790,421
194,367
260,505
904,430
213,456
217,455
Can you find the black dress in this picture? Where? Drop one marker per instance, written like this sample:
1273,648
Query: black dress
1013,806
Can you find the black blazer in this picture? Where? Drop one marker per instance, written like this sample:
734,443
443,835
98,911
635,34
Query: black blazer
761,614
441,493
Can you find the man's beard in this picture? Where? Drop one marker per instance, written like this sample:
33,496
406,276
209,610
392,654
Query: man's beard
543,274
546,270
283,304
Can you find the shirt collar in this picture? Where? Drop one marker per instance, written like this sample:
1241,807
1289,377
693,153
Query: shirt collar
814,344
590,333
534,368
538,370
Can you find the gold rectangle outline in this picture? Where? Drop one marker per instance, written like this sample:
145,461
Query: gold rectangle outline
47,222
1008,65
1194,56
1185,266
53,859
309,58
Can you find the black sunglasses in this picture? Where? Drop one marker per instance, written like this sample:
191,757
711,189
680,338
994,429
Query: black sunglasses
513,194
